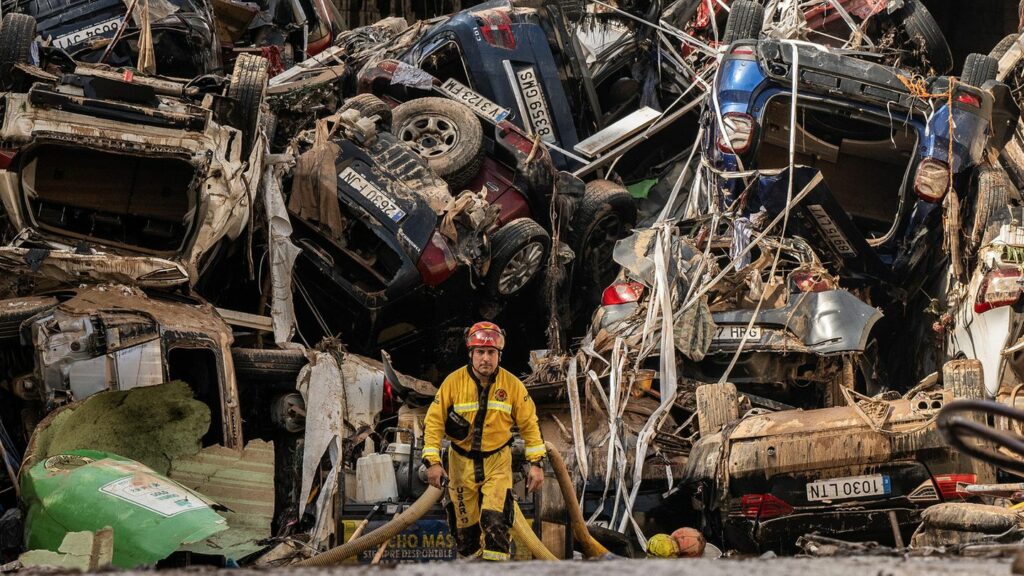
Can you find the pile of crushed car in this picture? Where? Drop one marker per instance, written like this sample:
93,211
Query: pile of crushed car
745,252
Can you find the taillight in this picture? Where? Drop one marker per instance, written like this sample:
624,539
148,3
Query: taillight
932,180
622,293
969,99
999,287
810,281
764,507
388,401
437,262
6,156
496,28
948,484
738,134
742,51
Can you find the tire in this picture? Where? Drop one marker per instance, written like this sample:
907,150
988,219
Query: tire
369,105
1000,49
922,29
15,311
993,195
247,89
979,69
446,134
605,214
745,22
964,378
717,406
17,33
256,364
519,251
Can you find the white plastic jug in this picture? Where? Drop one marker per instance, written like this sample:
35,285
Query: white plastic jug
375,479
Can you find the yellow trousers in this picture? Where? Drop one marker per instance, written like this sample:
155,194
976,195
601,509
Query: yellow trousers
481,503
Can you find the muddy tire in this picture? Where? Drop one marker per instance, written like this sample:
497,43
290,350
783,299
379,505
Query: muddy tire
255,364
979,69
446,134
923,31
248,89
15,311
964,378
17,33
369,105
999,50
717,406
606,213
993,195
745,22
519,251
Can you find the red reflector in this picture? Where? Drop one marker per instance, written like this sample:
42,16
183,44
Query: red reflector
947,484
388,402
969,99
743,51
764,507
999,287
622,293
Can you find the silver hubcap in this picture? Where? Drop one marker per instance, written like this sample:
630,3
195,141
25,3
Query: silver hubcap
429,134
521,268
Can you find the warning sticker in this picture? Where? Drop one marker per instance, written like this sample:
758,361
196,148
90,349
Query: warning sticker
154,494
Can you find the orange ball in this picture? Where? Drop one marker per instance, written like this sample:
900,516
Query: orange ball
691,542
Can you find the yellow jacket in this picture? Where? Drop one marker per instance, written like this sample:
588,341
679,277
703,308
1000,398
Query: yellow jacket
507,403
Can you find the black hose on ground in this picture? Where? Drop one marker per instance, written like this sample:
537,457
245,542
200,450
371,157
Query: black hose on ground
957,428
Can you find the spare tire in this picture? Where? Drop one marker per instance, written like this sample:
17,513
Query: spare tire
1000,48
247,89
604,215
979,69
17,33
369,105
446,134
745,21
923,31
268,365
993,195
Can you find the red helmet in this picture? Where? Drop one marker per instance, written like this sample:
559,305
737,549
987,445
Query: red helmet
485,335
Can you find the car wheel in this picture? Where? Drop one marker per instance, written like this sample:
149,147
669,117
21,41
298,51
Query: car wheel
369,105
519,251
268,365
964,378
979,69
248,88
15,311
605,214
446,134
17,33
717,406
745,21
992,196
1002,46
923,32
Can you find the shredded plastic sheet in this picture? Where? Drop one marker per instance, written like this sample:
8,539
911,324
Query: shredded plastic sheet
282,258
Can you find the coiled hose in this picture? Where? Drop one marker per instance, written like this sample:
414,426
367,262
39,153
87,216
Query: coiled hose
520,527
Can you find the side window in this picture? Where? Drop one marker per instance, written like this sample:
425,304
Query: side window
446,62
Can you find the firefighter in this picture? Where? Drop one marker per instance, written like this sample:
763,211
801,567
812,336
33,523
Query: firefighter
476,408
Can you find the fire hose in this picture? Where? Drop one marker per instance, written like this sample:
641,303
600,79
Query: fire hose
520,528
1007,451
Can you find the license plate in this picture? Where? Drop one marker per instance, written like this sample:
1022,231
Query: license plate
375,195
78,36
736,333
849,487
460,92
537,113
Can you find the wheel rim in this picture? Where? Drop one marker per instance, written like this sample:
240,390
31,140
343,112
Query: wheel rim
430,134
521,268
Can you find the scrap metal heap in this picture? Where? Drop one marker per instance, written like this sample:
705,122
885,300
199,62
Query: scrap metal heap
747,253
